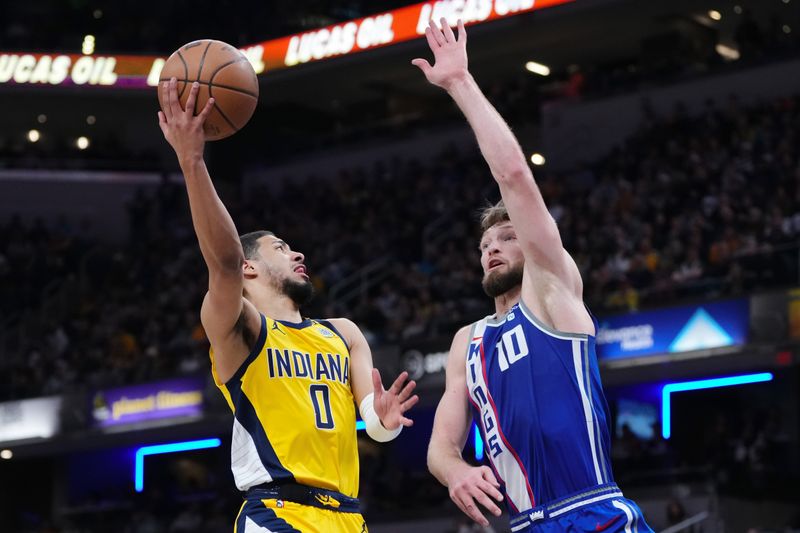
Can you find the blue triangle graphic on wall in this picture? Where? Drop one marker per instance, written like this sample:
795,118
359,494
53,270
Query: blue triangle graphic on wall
700,332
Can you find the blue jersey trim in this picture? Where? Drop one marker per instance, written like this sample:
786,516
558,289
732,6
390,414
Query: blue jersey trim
295,325
262,516
257,347
245,413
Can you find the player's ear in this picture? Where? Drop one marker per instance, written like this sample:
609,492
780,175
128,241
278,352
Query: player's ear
249,270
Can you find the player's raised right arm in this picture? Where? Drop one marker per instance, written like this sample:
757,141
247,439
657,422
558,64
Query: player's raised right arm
535,228
216,232
467,484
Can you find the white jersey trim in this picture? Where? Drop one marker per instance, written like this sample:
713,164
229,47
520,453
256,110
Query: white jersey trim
597,433
581,503
628,515
251,527
505,463
577,360
248,470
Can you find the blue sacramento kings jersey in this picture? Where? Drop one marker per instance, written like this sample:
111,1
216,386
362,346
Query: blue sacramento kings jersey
537,397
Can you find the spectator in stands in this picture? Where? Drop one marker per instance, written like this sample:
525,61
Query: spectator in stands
676,212
676,514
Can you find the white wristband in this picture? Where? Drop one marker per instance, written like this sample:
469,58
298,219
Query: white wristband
374,427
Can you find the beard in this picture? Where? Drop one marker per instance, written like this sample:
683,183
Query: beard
497,283
300,292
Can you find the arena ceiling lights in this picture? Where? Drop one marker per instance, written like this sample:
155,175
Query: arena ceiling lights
367,33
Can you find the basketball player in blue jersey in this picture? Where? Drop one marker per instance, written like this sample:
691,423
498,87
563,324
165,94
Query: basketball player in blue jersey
290,381
529,372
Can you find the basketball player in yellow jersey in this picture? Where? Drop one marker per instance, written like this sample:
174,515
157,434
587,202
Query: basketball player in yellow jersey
290,382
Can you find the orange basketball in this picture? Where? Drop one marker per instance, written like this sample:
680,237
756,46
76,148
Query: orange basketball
222,72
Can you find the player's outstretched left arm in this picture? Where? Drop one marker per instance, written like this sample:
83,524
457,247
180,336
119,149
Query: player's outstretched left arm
470,487
383,411
224,309
535,228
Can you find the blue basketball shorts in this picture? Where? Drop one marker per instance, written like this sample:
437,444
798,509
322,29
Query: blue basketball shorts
601,509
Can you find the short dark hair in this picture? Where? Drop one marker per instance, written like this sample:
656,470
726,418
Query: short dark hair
494,214
250,242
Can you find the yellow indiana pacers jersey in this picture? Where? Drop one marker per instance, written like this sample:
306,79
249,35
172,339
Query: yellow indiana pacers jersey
294,414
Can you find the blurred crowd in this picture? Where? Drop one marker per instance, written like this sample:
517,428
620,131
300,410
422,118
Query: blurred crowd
746,453
106,150
689,52
739,455
690,207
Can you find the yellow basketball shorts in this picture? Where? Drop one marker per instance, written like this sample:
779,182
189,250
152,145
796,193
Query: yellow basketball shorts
281,516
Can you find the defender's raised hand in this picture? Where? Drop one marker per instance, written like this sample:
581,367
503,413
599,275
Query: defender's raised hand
449,52
391,405
182,129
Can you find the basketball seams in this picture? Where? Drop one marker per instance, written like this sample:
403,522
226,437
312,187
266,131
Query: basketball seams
236,128
237,89
203,60
200,71
185,73
222,113
222,66
226,65
221,86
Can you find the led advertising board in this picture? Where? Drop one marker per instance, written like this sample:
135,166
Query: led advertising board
30,419
181,397
674,330
336,40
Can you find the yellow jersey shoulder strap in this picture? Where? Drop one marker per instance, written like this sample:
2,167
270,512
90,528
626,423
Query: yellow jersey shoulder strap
330,326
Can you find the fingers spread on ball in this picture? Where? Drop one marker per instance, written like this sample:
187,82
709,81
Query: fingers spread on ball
206,110
192,100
